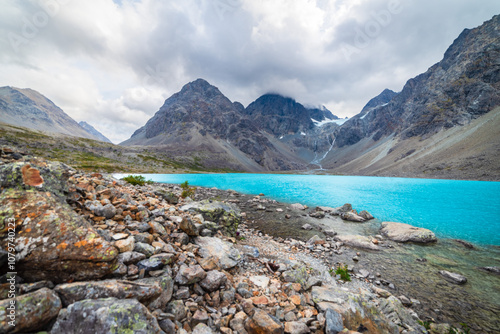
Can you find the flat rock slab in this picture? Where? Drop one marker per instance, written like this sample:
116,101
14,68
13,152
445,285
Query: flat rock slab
109,315
54,243
401,232
32,311
357,241
73,292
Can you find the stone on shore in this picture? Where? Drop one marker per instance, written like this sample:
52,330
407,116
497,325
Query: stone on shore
226,254
453,277
493,270
54,243
109,315
357,241
297,206
401,232
32,311
352,217
340,210
226,216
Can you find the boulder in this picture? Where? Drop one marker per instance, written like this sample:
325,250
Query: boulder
170,197
297,206
401,232
106,316
334,323
53,242
226,254
453,277
296,327
357,241
53,176
351,216
189,227
166,284
190,275
32,311
262,323
366,215
213,280
340,210
73,292
226,216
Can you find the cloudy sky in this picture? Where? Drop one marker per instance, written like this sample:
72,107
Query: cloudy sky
113,63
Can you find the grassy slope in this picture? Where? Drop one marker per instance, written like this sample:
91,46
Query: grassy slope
92,155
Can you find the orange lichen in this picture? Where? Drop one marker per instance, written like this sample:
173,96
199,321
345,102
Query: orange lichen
81,243
62,245
31,176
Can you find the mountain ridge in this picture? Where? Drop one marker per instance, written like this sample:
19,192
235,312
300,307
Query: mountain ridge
28,108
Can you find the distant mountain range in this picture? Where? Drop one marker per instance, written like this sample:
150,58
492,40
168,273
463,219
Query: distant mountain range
439,124
444,123
28,108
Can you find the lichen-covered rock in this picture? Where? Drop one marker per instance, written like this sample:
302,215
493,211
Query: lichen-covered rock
73,292
32,311
54,243
54,177
226,216
401,232
227,255
106,316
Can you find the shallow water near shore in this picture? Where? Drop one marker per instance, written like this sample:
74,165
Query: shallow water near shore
468,210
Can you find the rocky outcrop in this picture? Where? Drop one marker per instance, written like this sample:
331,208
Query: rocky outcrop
164,280
401,232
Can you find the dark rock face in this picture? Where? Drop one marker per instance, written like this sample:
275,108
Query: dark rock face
280,115
461,87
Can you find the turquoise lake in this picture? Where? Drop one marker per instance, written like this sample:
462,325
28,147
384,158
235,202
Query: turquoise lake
468,210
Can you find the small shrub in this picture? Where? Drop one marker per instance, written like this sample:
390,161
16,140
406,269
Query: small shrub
187,191
342,271
136,180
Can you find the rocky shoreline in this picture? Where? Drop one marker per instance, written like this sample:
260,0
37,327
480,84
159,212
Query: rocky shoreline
98,255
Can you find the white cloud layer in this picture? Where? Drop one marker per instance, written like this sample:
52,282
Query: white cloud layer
113,63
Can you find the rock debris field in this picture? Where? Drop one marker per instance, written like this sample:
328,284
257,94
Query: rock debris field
98,255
